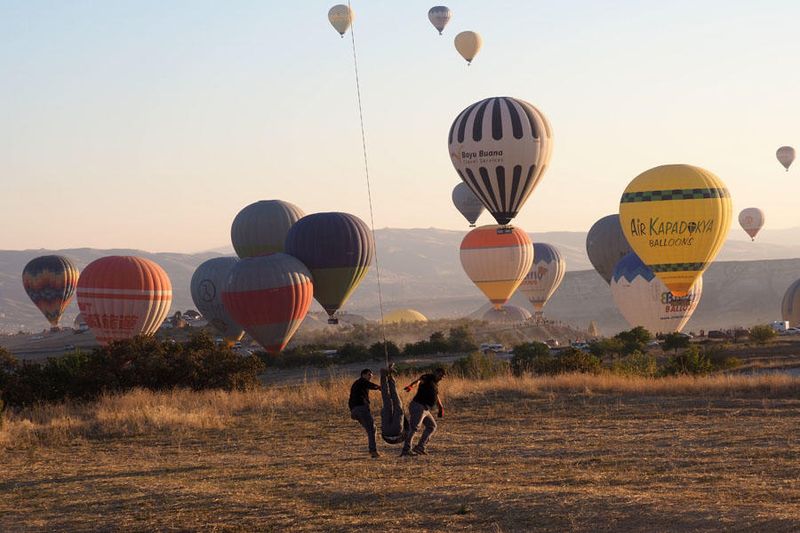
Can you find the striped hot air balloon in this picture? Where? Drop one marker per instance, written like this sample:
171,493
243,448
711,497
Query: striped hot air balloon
467,203
644,300
261,227
269,297
501,148
123,296
790,306
337,248
206,288
544,276
606,245
496,262
50,282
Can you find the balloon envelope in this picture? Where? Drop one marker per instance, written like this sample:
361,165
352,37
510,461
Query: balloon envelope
785,155
341,17
261,227
606,245
467,203
206,287
506,314
50,282
645,301
123,296
337,248
404,315
496,262
269,297
790,306
544,276
468,44
676,218
439,17
752,220
500,148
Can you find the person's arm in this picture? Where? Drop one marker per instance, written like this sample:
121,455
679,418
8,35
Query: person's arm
374,386
411,385
441,407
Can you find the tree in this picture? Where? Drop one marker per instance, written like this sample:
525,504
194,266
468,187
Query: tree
634,340
762,334
675,342
527,355
460,339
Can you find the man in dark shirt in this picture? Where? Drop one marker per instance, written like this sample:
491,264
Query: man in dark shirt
420,411
359,407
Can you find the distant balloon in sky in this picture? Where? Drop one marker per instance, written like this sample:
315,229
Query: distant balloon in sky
676,218
338,249
544,276
752,220
206,288
468,44
785,155
467,203
790,307
269,297
261,228
500,148
123,296
50,282
645,301
439,17
496,262
341,17
606,245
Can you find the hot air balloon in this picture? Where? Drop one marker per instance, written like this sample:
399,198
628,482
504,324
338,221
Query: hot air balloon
606,245
507,314
468,44
50,282
261,228
398,316
439,17
544,276
645,301
790,307
496,262
269,297
467,203
337,248
752,220
785,155
206,287
123,296
341,17
676,218
501,148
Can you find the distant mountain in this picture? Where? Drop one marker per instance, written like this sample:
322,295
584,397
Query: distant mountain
420,268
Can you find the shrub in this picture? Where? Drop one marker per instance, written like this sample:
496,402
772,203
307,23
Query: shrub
574,360
762,334
692,361
634,340
675,342
460,339
354,353
636,364
532,358
526,355
478,365
378,352
606,347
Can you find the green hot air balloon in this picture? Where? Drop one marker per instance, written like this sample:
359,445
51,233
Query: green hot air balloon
337,248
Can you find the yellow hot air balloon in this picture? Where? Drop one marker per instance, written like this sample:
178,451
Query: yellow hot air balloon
497,262
468,44
676,218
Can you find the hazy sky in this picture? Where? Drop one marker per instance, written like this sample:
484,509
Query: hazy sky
149,124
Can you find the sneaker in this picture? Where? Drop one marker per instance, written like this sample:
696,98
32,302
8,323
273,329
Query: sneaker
419,451
374,454
408,453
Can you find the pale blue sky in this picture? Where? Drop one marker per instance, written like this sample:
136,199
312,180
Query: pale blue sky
149,124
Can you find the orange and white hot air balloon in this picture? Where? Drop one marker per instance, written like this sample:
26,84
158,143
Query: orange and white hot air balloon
497,262
752,220
123,296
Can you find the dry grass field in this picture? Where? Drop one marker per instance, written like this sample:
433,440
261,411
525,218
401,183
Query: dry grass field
570,453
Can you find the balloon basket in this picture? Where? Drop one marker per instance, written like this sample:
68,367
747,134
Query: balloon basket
333,321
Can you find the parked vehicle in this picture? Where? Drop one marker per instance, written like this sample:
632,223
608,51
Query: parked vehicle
780,326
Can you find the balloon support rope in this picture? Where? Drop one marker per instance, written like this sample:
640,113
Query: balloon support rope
369,188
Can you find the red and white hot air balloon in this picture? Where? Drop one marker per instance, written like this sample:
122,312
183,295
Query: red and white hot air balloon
752,220
120,297
269,297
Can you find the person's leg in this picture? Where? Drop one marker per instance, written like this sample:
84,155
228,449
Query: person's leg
364,417
430,429
416,412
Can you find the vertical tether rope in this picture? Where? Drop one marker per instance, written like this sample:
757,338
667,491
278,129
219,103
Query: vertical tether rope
369,188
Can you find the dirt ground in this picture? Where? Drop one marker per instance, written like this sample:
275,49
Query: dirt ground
501,461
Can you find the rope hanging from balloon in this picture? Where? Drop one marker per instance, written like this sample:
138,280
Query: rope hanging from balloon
366,172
